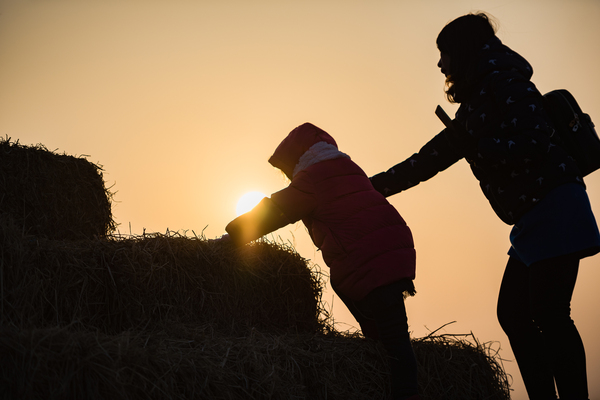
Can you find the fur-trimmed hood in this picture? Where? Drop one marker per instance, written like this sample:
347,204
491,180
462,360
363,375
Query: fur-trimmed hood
304,146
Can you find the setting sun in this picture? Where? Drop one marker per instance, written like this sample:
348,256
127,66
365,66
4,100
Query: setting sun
247,202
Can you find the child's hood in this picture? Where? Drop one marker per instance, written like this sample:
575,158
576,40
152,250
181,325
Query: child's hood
289,151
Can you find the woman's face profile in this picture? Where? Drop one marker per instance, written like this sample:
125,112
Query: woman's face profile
444,63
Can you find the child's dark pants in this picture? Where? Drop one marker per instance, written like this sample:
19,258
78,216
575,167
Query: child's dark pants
382,316
534,310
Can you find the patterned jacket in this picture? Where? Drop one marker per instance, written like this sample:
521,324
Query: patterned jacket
363,239
503,132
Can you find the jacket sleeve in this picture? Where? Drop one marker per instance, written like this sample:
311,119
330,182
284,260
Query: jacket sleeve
438,154
285,207
265,218
299,199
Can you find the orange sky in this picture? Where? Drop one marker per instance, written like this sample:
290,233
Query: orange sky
183,102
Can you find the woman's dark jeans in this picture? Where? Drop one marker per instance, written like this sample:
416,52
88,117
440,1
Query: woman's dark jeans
382,316
534,310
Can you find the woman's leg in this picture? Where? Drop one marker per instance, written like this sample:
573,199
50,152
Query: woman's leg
551,286
534,311
525,337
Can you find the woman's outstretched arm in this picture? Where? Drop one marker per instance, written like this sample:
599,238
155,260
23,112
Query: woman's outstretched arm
438,154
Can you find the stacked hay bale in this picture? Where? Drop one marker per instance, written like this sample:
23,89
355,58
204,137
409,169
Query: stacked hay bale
199,364
119,284
53,195
87,314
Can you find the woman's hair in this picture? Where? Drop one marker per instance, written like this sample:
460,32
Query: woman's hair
461,40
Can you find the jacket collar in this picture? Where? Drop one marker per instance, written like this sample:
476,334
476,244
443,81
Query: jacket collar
318,152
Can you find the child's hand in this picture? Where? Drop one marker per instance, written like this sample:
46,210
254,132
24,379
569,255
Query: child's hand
224,239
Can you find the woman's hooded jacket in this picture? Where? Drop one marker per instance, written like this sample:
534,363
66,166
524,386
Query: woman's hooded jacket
363,239
503,132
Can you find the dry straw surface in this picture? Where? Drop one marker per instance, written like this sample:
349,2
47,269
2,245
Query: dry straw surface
86,314
53,195
58,364
460,367
116,284
197,363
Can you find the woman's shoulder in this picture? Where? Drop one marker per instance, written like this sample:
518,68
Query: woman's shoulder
497,60
502,87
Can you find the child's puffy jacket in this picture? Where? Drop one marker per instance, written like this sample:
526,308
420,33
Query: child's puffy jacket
363,239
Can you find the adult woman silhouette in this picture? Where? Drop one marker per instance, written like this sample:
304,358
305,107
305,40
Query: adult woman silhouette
502,130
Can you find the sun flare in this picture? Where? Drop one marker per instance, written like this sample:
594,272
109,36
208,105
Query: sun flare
247,202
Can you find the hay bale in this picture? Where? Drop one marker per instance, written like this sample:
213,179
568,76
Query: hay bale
84,314
172,317
197,364
57,364
460,367
52,195
121,283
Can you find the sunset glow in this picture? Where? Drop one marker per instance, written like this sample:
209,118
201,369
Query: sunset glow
248,201
183,102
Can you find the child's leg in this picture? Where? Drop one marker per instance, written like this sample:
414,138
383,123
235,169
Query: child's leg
363,316
387,307
382,316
